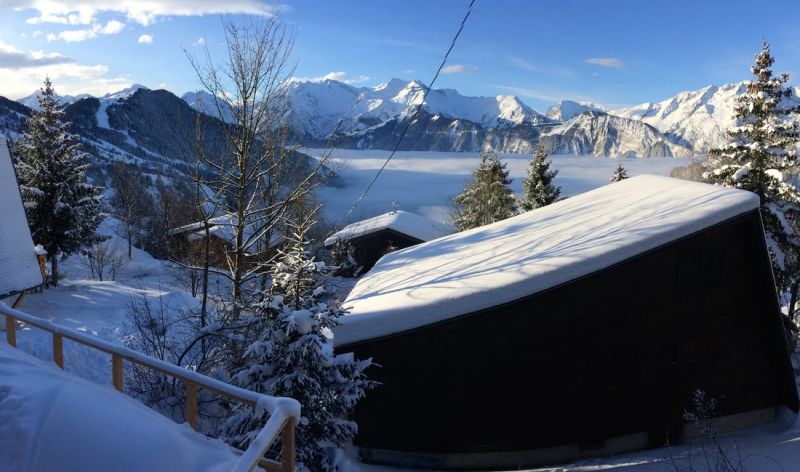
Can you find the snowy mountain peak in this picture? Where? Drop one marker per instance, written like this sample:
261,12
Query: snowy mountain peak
565,110
124,93
699,118
32,100
321,109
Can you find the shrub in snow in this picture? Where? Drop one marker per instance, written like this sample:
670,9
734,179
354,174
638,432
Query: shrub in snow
63,210
538,188
293,356
620,173
487,198
760,157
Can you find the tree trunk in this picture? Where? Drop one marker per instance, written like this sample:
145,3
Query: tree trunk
54,269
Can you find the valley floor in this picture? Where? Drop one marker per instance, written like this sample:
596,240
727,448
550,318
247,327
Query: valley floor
425,182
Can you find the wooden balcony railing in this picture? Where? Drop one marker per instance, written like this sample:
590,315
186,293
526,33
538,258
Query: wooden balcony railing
284,412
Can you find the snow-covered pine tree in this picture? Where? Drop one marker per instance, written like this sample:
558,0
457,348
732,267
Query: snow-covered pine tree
63,210
620,173
760,157
487,198
343,258
538,188
293,356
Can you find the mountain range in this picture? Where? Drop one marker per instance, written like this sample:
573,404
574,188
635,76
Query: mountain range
154,128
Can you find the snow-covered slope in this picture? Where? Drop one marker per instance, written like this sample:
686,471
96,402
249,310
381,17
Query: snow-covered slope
601,134
523,255
567,109
698,118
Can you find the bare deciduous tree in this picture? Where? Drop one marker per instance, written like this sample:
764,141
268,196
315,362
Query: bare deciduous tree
257,179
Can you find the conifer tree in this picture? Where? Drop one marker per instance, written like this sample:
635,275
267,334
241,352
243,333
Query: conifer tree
538,188
759,157
63,210
620,173
293,356
344,259
487,198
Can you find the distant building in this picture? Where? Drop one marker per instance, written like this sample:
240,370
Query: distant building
19,268
579,329
374,237
186,242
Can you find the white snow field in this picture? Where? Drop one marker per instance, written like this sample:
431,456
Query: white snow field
50,420
425,182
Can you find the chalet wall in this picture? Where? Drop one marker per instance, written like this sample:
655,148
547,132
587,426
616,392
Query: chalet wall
614,353
371,247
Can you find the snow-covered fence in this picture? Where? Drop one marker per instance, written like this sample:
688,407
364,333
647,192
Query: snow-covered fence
284,412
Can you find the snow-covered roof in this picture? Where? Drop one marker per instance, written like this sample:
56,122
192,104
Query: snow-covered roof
401,221
222,227
505,261
19,269
51,420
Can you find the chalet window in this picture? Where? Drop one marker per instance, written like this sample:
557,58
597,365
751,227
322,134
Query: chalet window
699,267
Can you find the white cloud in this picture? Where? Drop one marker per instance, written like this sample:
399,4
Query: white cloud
12,58
338,76
458,69
608,62
75,36
544,94
144,12
21,73
200,41
541,68
145,39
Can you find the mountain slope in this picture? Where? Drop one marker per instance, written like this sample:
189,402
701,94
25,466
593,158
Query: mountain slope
602,134
697,118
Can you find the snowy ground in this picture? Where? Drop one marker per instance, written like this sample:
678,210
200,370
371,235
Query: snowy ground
426,182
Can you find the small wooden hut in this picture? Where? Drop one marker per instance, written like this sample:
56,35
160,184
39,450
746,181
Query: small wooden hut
579,329
374,237
187,242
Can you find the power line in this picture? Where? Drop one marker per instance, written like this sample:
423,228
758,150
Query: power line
416,112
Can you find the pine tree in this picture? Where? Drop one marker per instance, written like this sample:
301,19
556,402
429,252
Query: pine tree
343,258
293,356
760,156
63,210
538,188
620,173
487,198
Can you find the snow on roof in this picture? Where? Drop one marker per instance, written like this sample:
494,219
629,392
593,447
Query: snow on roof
223,227
401,221
19,269
505,261
51,420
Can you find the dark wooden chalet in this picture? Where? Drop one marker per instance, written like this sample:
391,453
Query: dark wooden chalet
19,267
578,329
187,243
374,237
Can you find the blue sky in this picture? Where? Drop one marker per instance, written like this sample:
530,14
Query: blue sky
613,52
